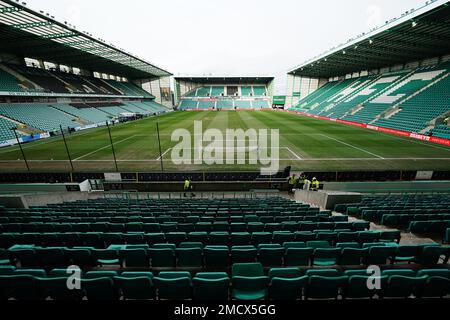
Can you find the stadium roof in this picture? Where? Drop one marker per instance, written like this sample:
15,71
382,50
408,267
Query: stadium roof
32,34
417,34
226,79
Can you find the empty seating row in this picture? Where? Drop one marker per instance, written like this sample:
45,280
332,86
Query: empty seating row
54,81
432,226
101,240
247,282
182,227
167,255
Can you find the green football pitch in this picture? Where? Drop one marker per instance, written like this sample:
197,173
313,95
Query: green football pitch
304,144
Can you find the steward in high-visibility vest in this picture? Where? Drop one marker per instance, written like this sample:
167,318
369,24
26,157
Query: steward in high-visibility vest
301,181
292,183
315,184
188,187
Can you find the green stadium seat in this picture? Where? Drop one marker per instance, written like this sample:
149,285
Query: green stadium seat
287,288
243,254
101,274
211,287
56,288
430,255
352,256
105,256
357,287
271,256
219,238
201,237
403,286
136,288
321,287
445,273
342,245
406,253
216,256
100,288
326,256
379,255
323,272
170,288
4,257
7,270
240,238
58,273
152,238
348,236
249,287
261,237
31,272
390,236
298,256
162,257
136,258
21,287
176,237
189,257
399,272
25,257
435,287
190,245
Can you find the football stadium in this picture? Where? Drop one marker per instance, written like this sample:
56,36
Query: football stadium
121,180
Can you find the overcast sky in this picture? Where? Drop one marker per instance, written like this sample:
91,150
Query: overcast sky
225,37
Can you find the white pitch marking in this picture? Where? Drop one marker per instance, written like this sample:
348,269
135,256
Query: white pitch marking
350,145
295,155
309,159
165,152
107,146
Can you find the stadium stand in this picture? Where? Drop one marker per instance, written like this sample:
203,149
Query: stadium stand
9,82
244,104
418,213
203,92
259,91
259,239
5,129
225,104
39,116
206,104
260,104
246,91
217,91
414,114
442,131
188,104
399,100
84,112
52,81
223,93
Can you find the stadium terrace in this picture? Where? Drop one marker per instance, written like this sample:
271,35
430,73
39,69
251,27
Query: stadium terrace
120,181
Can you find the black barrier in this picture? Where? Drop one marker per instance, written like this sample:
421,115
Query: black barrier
331,176
223,310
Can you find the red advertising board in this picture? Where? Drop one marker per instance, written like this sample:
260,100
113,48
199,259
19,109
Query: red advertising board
413,135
